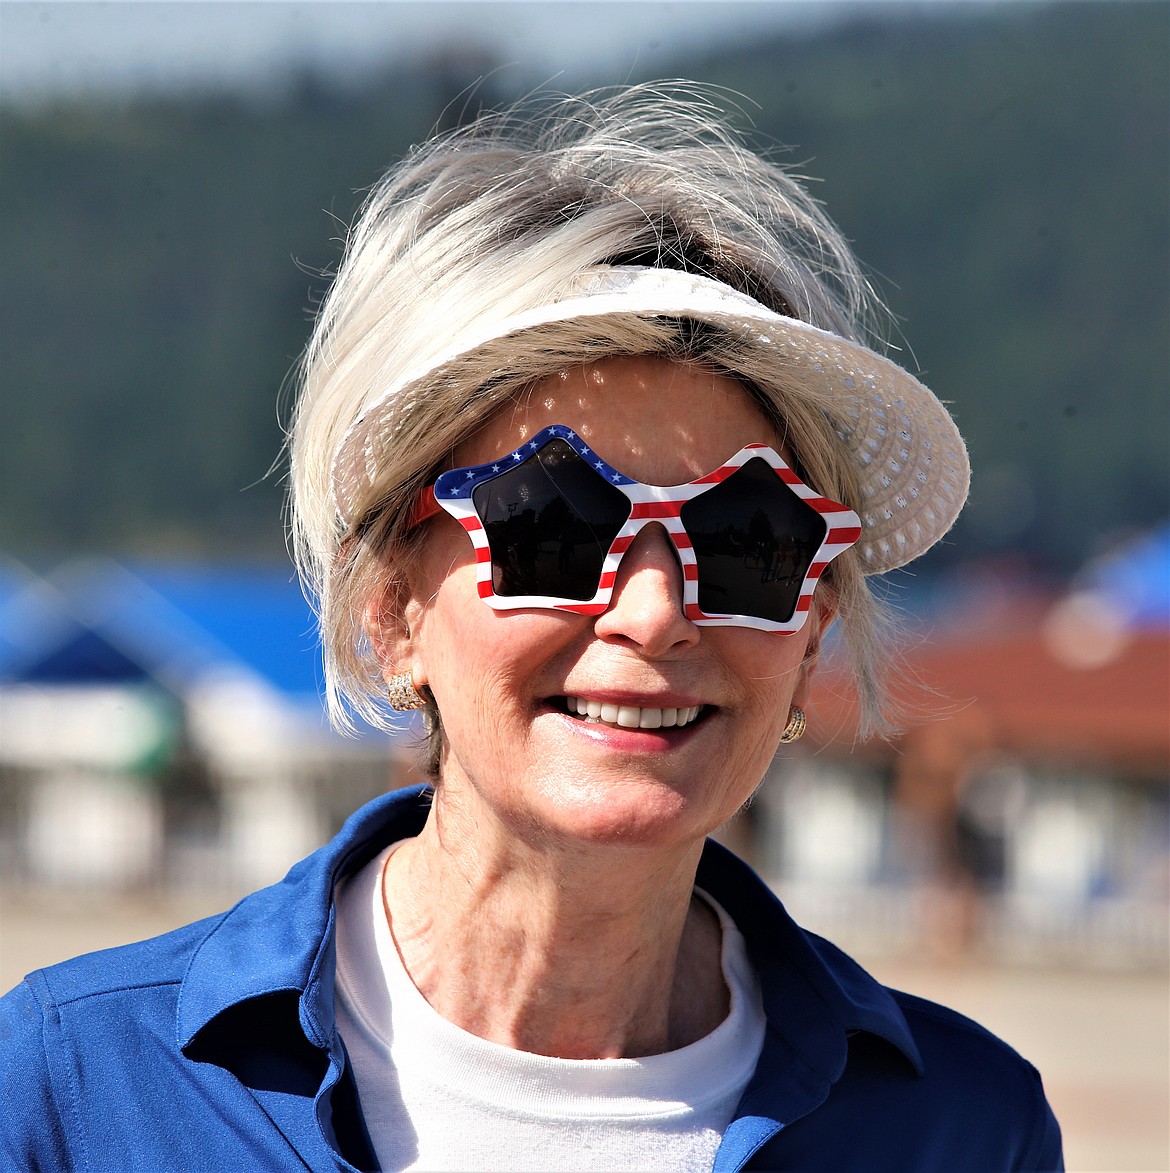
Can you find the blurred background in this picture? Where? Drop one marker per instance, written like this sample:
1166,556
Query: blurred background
175,182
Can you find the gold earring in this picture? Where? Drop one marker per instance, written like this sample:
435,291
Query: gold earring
402,693
797,724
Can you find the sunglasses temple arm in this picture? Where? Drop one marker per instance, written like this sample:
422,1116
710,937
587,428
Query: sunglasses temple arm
424,508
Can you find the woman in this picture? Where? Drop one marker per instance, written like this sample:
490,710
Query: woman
586,462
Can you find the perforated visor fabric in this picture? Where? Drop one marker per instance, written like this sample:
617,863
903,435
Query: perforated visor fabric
906,452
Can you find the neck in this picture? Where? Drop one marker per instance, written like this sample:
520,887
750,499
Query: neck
579,952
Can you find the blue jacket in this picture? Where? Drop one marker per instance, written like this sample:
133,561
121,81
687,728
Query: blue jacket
214,1048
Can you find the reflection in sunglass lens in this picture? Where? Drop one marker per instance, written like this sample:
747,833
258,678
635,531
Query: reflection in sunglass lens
754,540
550,521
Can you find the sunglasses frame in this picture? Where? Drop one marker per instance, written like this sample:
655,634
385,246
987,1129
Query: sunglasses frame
452,493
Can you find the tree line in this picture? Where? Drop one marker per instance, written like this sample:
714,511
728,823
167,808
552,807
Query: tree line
1001,170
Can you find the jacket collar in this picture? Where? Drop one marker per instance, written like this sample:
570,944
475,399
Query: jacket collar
280,941
814,995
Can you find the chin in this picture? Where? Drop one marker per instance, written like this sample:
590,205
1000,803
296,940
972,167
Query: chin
625,813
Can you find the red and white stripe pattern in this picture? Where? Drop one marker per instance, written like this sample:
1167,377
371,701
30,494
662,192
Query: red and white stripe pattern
649,503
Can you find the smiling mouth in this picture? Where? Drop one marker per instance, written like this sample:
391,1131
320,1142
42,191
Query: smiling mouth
629,716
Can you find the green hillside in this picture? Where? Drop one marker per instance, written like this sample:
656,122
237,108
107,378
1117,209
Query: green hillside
1002,171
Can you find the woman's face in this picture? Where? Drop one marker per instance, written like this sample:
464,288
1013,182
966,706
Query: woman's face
507,682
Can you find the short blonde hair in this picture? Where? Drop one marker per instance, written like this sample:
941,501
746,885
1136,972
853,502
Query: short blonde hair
499,216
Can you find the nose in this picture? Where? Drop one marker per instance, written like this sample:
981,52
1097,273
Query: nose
646,608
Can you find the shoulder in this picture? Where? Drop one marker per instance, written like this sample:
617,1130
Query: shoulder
106,998
156,962
130,1058
958,1050
971,1105
101,1014
975,1097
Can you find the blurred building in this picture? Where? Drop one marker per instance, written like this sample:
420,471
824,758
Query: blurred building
166,726
1025,810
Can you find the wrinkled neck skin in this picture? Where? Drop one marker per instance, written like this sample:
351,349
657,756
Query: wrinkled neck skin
568,950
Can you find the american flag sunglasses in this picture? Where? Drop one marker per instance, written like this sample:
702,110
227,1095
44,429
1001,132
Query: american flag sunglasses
551,521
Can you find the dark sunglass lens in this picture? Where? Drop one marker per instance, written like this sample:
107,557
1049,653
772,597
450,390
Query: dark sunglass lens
754,541
550,521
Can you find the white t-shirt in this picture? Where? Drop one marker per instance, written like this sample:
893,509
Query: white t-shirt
435,1097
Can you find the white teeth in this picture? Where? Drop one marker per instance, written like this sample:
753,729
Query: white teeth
631,716
628,716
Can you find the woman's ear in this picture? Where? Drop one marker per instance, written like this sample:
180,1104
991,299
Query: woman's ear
392,621
386,626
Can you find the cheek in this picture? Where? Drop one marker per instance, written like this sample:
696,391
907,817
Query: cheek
768,665
468,674
484,666
770,670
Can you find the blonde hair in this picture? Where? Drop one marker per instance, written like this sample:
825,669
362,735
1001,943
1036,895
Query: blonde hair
498,217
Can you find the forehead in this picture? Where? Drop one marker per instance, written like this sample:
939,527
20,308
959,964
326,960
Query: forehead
657,420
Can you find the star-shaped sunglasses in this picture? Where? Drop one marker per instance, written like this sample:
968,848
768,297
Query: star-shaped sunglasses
551,521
